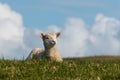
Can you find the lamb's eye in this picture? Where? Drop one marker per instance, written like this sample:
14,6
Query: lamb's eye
46,37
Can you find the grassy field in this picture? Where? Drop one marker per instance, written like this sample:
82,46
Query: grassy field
88,68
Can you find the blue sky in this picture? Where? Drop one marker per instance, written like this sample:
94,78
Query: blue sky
41,13
88,27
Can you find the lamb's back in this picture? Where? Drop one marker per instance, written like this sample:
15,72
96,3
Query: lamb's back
36,53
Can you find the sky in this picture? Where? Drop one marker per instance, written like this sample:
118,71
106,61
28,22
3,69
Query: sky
88,27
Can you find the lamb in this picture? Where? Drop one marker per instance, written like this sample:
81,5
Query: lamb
50,52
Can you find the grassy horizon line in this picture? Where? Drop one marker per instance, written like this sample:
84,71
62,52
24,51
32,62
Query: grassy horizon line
85,68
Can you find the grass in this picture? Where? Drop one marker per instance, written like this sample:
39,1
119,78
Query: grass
87,68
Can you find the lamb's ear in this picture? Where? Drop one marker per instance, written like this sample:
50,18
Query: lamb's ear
58,34
41,35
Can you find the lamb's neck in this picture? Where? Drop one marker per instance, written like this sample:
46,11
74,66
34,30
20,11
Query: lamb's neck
50,51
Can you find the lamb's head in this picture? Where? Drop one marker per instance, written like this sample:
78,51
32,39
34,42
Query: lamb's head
50,39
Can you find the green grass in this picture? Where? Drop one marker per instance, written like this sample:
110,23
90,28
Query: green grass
88,68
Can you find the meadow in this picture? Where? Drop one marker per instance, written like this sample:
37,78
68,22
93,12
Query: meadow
86,68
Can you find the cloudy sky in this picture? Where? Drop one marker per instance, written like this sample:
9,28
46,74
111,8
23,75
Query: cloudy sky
88,27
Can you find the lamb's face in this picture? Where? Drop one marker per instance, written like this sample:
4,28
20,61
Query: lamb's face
50,39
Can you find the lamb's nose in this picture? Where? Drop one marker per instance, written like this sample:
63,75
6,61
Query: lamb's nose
53,42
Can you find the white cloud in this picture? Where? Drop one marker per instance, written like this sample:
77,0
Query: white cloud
104,35
53,28
11,31
100,39
73,38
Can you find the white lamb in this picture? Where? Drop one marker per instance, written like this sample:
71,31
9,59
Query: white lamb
50,52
